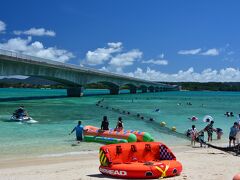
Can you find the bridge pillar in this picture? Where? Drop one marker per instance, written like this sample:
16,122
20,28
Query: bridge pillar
75,92
133,90
114,90
151,89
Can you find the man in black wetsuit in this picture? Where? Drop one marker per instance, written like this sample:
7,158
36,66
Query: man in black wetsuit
105,123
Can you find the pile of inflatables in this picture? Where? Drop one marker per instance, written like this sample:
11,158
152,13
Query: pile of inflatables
132,154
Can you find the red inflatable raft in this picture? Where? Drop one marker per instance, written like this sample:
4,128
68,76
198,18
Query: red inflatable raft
142,160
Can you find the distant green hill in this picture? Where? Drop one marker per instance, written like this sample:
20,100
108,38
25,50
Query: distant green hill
209,86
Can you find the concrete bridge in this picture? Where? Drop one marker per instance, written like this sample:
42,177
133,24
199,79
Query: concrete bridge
72,76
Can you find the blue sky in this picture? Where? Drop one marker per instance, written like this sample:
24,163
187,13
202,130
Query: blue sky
171,40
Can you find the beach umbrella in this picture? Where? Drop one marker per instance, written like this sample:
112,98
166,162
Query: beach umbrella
207,118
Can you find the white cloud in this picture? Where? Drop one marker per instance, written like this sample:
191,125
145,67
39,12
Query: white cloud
100,55
211,52
161,56
157,62
126,59
115,45
189,52
36,32
207,75
36,48
2,26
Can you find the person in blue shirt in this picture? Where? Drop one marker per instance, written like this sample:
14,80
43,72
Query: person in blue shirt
233,132
79,131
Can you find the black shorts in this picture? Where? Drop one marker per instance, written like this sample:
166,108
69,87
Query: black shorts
79,138
232,138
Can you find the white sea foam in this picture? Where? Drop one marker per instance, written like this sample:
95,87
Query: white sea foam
32,121
68,154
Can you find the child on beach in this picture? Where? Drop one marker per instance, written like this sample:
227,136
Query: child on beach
219,133
201,137
193,134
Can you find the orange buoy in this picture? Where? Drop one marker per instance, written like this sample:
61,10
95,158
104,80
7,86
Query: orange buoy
236,177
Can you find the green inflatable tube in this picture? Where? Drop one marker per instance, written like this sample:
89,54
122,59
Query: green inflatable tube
105,140
147,137
132,138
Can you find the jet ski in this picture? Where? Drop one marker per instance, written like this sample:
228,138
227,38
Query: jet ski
20,118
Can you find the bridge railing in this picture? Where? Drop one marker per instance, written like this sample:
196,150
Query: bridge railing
86,69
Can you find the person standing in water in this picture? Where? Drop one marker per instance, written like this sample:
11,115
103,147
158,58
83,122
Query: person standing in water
79,131
119,126
105,124
209,129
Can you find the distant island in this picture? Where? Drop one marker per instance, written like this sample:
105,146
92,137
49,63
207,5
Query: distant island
35,82
208,86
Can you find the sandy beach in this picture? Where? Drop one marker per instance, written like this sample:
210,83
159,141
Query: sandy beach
198,163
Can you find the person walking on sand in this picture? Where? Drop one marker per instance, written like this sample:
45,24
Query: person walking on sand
233,132
105,124
79,131
193,135
209,129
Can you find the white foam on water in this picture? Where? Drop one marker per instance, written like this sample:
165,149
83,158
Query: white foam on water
32,121
68,154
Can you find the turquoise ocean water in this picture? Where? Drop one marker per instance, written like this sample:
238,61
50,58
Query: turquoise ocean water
57,116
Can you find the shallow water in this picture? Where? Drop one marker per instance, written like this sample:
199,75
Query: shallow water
57,116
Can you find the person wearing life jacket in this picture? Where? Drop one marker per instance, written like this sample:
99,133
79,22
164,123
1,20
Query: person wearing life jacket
119,126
